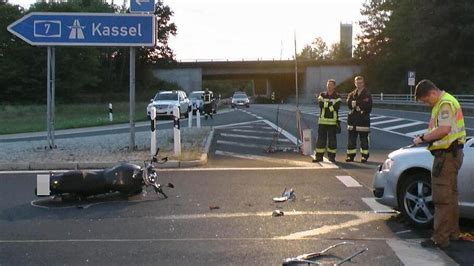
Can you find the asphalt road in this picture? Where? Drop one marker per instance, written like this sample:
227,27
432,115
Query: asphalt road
222,213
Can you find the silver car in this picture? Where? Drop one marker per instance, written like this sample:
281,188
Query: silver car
403,183
164,101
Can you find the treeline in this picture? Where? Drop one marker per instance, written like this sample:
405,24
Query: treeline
432,37
83,74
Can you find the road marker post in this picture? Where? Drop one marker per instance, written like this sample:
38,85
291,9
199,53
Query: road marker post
177,132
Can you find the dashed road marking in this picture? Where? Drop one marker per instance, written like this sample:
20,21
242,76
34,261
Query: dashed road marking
348,181
411,253
252,131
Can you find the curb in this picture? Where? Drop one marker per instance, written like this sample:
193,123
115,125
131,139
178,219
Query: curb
101,165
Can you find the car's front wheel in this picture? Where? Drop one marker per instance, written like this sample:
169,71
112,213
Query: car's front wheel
415,200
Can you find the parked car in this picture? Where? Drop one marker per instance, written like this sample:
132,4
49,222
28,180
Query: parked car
240,99
198,102
403,182
165,100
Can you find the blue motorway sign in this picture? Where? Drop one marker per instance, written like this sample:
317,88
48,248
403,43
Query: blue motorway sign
85,29
142,6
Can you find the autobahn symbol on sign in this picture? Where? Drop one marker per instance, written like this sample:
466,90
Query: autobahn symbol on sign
85,29
142,6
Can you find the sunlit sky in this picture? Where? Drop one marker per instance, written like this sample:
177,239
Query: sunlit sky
253,29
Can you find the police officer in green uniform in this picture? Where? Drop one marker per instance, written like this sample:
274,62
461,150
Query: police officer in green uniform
359,102
446,137
329,103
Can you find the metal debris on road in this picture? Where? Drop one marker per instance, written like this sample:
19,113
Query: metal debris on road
277,213
287,195
212,207
311,258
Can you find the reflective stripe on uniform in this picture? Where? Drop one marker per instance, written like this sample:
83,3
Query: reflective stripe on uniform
332,150
352,151
365,152
358,128
320,150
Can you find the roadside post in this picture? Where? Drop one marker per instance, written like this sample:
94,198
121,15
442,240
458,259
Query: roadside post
411,82
198,119
177,132
190,118
111,115
153,130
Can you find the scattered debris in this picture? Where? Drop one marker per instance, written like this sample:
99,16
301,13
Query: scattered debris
311,258
286,195
212,207
466,236
277,213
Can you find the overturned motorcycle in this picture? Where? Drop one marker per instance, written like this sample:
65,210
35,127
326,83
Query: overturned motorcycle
126,178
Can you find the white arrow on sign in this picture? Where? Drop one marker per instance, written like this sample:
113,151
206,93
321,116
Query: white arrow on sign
139,2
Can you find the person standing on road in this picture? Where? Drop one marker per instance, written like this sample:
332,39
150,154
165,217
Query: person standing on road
359,102
329,103
446,137
207,97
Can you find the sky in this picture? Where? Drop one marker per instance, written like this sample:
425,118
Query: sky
253,29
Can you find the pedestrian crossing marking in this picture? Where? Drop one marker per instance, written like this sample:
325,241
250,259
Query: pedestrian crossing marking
240,144
387,121
416,133
404,125
251,137
252,131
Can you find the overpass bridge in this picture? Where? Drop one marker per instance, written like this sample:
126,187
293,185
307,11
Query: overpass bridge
267,75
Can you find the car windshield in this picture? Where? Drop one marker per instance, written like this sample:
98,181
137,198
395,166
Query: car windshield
241,96
166,96
195,95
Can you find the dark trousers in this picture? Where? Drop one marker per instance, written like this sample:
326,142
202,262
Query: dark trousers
207,109
326,135
352,144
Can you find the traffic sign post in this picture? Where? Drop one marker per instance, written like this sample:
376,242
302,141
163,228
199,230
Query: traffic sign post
141,6
87,29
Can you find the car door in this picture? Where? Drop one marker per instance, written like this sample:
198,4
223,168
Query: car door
466,176
182,102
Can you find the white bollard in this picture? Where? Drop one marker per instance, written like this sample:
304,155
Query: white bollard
307,143
198,119
153,130
111,116
177,132
381,96
190,118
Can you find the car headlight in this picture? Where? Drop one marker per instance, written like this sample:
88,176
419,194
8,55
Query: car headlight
387,164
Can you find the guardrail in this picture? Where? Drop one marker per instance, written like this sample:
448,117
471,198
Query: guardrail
410,99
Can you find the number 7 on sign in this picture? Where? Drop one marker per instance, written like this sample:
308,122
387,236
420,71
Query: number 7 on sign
47,28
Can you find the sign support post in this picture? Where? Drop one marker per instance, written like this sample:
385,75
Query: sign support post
132,99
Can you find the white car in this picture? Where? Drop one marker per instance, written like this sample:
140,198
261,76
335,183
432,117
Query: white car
164,101
403,182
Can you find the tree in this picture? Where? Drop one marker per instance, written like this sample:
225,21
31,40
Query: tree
339,51
318,50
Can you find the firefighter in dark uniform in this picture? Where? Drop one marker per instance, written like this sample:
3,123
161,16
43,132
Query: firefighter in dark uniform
207,97
359,102
329,103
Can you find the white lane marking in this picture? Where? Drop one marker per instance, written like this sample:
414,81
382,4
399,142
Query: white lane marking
270,160
377,207
411,253
387,121
252,131
251,137
240,144
404,125
259,117
348,181
242,169
416,133
282,131
361,219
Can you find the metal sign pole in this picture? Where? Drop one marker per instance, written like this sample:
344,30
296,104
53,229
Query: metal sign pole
132,99
53,93
48,99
